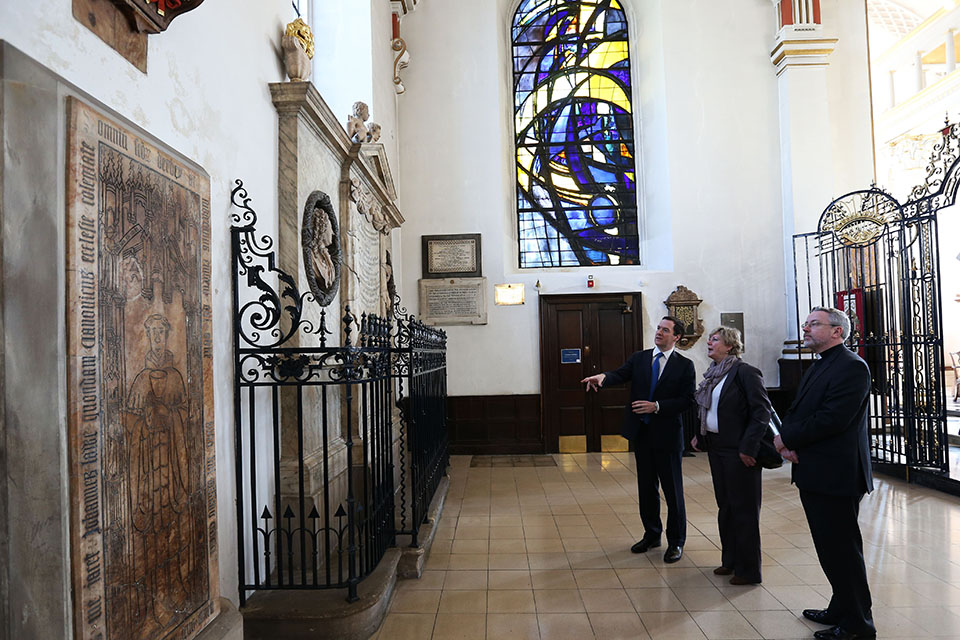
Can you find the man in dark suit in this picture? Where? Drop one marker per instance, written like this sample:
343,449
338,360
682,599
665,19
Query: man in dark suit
662,384
825,436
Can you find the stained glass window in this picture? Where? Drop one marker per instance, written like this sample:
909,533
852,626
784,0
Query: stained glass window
576,181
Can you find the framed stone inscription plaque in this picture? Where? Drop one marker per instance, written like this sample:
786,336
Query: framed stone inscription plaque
140,388
451,256
453,301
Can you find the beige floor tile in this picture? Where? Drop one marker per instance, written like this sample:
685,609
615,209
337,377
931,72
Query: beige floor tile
509,545
597,579
703,557
588,560
461,561
548,561
670,625
463,601
937,621
507,561
407,626
684,577
798,598
512,626
582,545
565,626
777,624
702,599
506,521
511,532
465,580
567,532
558,601
472,533
552,579
412,601
460,626
437,561
640,578
429,580
511,601
654,599
606,601
725,625
510,580
544,545
618,626
470,546
751,598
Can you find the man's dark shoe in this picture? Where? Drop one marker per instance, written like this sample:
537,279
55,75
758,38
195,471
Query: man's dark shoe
820,616
837,633
644,544
673,554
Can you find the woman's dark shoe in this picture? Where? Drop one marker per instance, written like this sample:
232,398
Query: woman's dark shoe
738,581
723,571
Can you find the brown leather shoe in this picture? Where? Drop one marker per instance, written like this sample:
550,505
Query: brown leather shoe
723,571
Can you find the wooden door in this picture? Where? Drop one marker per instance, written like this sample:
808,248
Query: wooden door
581,335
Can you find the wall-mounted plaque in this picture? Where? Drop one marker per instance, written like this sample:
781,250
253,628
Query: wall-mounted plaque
734,321
569,356
453,301
452,256
140,427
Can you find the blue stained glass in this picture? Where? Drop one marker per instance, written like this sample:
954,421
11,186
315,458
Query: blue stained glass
576,187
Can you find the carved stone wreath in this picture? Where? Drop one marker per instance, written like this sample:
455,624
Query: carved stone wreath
320,241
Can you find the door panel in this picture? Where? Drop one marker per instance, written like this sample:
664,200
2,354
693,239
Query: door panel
605,328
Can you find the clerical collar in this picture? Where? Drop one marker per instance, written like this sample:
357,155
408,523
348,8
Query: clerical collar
832,351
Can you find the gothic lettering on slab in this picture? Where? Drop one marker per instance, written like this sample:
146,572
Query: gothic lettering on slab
143,470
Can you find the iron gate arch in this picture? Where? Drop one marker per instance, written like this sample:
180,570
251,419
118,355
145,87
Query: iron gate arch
878,260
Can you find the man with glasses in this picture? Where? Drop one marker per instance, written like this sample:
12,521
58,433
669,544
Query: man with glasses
824,434
662,384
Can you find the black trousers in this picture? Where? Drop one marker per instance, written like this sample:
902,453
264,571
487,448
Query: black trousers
737,490
656,467
836,536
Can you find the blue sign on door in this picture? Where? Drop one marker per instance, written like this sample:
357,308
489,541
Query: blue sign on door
569,356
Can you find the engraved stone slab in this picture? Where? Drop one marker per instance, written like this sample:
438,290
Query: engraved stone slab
140,387
453,301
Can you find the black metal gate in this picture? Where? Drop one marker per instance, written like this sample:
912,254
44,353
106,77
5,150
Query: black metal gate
879,261
340,435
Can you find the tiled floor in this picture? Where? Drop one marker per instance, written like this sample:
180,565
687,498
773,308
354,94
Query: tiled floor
542,552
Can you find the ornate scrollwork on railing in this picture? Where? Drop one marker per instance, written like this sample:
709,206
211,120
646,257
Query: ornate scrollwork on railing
276,314
943,172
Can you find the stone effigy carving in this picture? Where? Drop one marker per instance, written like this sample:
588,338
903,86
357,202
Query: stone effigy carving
368,206
140,423
320,240
297,45
357,127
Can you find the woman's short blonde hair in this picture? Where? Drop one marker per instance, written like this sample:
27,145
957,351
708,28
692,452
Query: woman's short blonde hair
731,338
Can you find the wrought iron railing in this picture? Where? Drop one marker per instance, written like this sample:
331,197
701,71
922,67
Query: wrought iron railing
327,473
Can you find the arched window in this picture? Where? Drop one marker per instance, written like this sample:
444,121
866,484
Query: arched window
576,179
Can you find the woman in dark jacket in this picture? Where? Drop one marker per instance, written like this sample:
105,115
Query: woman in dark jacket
734,414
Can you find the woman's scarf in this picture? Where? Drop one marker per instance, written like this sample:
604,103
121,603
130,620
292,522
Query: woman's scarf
711,378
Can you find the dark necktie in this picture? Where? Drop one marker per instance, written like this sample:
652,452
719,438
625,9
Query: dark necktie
654,378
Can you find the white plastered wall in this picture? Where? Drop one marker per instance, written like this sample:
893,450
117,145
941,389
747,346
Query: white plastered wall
706,118
205,94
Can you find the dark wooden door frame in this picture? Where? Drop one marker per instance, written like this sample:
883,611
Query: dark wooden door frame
550,429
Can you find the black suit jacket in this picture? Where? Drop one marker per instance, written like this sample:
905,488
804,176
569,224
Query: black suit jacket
674,393
743,412
827,426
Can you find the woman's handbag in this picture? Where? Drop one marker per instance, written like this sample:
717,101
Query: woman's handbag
767,455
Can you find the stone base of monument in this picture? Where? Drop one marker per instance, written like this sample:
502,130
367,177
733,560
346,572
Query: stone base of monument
313,615
228,625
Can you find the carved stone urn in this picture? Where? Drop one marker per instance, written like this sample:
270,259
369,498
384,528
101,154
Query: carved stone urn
295,59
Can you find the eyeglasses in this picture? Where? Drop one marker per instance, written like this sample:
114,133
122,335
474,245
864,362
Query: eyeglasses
817,323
